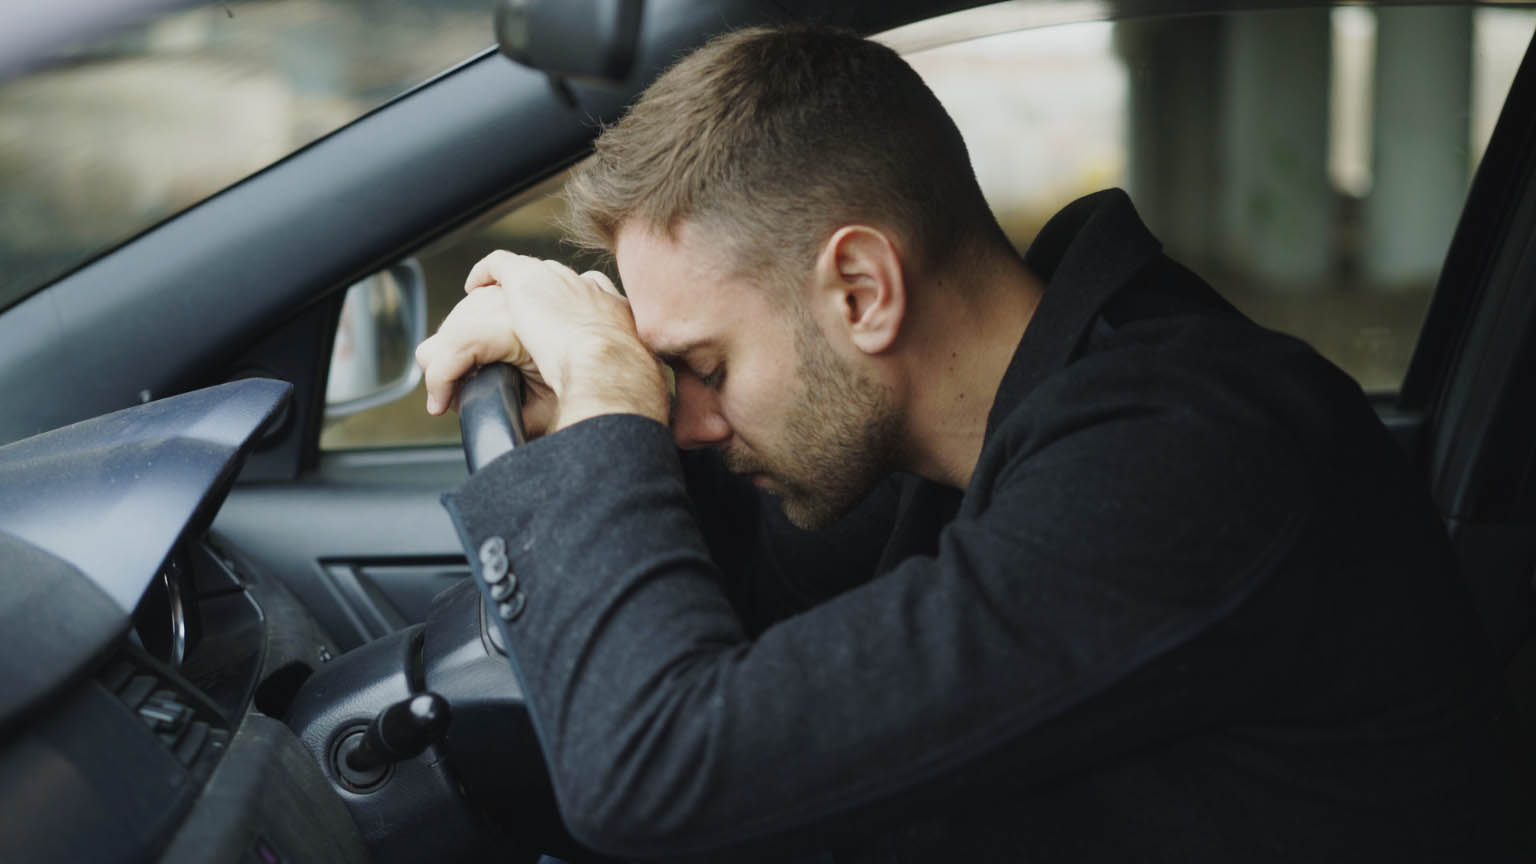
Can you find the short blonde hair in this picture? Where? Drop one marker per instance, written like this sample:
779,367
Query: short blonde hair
776,138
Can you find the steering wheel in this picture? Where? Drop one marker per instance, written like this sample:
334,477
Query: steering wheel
490,413
491,422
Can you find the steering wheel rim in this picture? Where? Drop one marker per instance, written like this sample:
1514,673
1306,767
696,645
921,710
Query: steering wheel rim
490,414
491,420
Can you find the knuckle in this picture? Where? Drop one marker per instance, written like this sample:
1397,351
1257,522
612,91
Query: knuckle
601,280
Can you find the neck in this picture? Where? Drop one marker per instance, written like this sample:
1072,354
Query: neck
968,336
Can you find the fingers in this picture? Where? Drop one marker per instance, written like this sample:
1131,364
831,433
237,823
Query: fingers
542,317
442,366
592,277
477,331
508,268
602,281
483,272
500,267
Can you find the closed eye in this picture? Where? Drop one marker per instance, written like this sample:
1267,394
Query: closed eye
712,379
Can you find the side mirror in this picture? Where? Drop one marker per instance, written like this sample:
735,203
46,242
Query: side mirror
587,41
373,360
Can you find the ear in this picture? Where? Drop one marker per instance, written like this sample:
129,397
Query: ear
859,273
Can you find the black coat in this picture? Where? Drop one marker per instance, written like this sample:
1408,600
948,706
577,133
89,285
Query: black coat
1193,606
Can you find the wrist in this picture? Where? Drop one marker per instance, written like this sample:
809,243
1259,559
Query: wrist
631,385
570,415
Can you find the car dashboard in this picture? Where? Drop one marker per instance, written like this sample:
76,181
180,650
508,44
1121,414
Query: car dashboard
143,665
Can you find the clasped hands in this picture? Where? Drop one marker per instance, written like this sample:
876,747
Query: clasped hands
572,336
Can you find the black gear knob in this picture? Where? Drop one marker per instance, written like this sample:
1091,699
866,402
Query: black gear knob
401,731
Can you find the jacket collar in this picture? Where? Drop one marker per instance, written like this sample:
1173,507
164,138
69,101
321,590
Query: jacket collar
1083,255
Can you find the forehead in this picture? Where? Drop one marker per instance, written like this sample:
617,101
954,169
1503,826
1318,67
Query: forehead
682,288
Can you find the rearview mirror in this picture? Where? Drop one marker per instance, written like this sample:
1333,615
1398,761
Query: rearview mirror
588,41
373,360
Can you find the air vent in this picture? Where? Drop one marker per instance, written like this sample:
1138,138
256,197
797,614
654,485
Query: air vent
194,733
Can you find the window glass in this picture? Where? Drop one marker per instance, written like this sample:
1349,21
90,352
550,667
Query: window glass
1311,164
117,135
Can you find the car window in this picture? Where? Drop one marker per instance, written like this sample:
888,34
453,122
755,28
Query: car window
115,136
1310,164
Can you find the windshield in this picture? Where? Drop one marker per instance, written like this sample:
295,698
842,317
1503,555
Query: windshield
119,134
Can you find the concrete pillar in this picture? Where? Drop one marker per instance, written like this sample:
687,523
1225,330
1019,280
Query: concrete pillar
1277,209
1423,96
1174,129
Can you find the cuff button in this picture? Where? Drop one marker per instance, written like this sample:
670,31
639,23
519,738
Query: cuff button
493,547
510,609
494,570
503,589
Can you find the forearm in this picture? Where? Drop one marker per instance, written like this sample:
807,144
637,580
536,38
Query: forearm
621,600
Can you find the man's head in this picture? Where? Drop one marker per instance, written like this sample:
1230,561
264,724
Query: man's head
775,138
774,201
761,383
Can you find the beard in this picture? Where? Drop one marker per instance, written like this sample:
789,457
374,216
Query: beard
839,438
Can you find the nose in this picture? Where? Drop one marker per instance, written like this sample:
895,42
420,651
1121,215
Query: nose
696,418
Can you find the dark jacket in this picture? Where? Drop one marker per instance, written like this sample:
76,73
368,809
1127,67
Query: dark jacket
1193,606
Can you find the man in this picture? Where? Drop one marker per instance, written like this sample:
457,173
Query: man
1069,562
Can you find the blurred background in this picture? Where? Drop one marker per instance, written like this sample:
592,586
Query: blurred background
1310,164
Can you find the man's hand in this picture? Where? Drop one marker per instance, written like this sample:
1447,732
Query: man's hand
571,335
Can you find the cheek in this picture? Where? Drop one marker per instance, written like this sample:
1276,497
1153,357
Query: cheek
758,412
762,383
